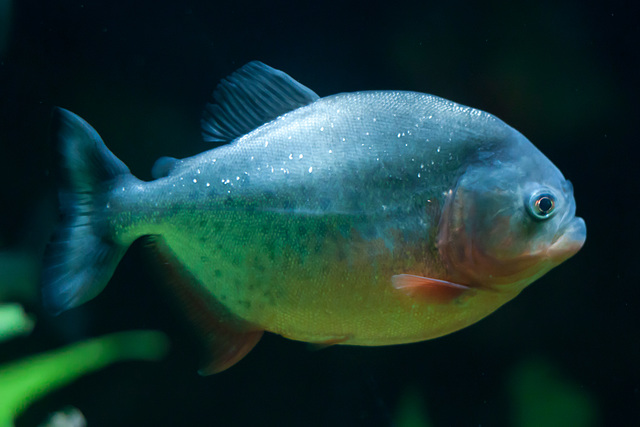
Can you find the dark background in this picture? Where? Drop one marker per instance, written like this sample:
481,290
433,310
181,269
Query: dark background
564,73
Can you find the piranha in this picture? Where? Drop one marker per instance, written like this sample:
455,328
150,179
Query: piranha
368,218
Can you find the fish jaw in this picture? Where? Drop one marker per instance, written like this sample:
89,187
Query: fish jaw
568,242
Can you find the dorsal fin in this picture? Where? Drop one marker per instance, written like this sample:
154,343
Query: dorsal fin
250,97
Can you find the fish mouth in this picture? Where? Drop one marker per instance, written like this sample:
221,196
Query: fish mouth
568,241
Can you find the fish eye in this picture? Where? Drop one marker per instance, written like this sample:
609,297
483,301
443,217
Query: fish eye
542,205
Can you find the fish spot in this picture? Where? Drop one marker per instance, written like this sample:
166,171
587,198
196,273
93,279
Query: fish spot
302,231
217,273
258,265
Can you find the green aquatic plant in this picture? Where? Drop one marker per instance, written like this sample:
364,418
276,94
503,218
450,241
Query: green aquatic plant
14,321
27,379
540,394
543,396
411,410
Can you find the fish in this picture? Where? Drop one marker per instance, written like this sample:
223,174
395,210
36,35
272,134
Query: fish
368,218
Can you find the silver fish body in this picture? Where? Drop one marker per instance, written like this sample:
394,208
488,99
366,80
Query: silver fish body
363,218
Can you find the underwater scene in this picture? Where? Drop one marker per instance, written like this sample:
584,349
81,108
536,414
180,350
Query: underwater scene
409,214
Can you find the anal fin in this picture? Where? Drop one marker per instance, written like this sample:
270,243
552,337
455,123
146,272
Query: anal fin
227,339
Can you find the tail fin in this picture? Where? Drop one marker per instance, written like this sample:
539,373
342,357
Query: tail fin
81,258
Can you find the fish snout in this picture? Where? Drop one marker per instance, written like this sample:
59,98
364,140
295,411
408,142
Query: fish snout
568,241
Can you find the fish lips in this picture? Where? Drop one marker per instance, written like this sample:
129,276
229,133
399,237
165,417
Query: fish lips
568,241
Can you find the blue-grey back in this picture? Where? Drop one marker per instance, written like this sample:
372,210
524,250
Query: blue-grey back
350,153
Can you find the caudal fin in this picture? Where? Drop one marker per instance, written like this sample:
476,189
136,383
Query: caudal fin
81,258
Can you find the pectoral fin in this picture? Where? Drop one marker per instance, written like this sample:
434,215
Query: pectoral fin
433,290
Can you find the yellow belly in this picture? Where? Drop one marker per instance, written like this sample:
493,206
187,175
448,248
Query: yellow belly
308,281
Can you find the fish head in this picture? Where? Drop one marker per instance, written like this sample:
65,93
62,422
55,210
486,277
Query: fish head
509,220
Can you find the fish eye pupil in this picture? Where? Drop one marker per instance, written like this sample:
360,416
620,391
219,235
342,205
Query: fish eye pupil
543,205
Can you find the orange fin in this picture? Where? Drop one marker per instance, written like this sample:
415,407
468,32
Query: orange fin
227,339
227,347
433,290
